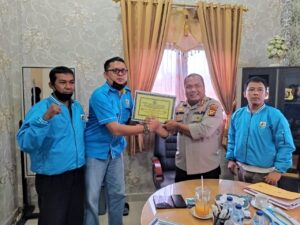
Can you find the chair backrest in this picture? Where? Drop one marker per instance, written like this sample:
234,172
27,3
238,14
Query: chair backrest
165,151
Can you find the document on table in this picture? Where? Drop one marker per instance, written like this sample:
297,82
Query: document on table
274,191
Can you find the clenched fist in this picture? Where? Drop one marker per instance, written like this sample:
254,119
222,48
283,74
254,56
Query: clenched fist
52,111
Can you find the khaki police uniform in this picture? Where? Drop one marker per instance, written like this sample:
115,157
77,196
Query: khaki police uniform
199,154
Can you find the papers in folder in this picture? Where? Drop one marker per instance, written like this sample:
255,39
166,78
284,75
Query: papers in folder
277,196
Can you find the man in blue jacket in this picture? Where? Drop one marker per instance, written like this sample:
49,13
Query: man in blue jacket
110,108
53,135
260,143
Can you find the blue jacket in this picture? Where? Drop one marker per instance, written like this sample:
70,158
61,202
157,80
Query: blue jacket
57,145
106,105
261,139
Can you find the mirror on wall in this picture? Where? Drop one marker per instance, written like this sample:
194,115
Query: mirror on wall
35,81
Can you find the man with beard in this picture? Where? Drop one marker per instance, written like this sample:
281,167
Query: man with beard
110,108
260,143
53,135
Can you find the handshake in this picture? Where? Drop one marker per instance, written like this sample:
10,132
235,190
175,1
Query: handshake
153,125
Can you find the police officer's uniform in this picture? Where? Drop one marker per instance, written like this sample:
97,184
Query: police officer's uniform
199,154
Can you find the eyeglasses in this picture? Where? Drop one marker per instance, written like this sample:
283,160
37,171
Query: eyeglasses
118,71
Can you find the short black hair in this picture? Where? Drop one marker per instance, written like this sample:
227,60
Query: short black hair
255,79
113,59
194,75
59,69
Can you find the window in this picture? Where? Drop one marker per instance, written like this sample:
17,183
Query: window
175,66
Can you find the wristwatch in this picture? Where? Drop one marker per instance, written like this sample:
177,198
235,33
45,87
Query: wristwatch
146,129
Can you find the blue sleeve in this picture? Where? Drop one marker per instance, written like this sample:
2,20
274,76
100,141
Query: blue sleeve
231,139
103,107
284,143
33,131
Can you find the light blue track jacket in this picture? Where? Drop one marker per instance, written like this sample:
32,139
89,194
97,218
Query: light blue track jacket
107,105
57,145
261,139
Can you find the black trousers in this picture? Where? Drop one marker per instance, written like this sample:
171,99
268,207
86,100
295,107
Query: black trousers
181,175
61,198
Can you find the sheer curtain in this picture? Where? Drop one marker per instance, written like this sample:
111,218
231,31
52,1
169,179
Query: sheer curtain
144,25
221,29
175,66
170,76
197,63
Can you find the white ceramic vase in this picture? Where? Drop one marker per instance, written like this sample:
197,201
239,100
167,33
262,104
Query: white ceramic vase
276,61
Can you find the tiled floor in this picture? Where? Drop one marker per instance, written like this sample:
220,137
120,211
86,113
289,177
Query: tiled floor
132,219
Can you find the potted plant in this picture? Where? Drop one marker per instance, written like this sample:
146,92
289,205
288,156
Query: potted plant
277,49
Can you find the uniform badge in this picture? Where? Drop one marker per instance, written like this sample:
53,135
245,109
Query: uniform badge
212,110
262,124
127,102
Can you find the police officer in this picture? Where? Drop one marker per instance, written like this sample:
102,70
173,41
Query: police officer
199,124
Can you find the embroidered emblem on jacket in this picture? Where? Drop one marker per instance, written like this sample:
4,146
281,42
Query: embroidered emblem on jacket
84,117
262,124
127,102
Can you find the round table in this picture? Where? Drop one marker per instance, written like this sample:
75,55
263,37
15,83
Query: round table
187,189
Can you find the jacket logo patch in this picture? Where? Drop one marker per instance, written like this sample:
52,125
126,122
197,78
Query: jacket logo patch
127,103
84,117
262,124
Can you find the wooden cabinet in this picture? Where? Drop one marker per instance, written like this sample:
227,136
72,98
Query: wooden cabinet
284,94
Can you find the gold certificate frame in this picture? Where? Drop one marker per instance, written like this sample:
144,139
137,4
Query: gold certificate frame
148,104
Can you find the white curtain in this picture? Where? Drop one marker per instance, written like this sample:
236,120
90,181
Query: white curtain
175,66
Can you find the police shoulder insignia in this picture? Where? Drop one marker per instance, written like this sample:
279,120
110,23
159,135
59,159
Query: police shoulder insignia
212,110
180,108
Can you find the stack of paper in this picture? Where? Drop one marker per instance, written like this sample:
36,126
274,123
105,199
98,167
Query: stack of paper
277,196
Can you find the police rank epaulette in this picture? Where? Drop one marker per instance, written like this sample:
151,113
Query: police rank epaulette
212,110
180,111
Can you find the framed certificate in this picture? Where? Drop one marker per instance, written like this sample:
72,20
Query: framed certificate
156,105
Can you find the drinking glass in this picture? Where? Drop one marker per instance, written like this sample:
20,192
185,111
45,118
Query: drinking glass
202,206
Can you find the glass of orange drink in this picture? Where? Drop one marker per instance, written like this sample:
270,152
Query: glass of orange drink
202,206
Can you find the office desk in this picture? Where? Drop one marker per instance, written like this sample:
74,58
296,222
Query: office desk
187,189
